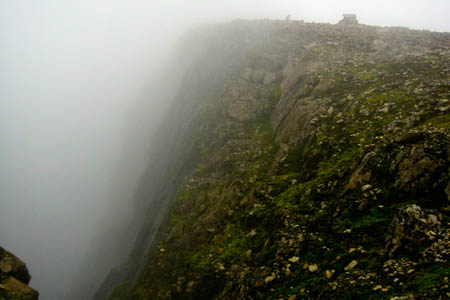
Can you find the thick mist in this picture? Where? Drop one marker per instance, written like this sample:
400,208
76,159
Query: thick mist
83,87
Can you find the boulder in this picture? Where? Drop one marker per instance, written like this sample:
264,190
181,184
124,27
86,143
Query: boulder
415,170
13,289
409,229
11,265
269,78
243,109
246,73
14,277
258,75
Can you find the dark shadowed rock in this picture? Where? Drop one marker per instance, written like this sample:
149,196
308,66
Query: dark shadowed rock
11,265
14,277
410,228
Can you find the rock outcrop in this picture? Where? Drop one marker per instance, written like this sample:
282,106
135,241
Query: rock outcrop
349,19
309,161
14,278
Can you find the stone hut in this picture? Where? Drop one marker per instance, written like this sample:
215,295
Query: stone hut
349,19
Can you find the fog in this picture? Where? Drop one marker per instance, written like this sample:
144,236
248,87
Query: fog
82,92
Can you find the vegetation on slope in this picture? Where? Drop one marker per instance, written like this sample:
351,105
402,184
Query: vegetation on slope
324,173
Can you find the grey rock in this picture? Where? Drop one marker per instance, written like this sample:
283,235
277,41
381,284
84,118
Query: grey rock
246,73
258,75
408,230
269,78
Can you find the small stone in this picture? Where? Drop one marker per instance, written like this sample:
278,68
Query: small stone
294,259
365,187
313,268
252,233
248,253
384,109
269,279
330,110
244,201
377,287
351,265
329,274
432,219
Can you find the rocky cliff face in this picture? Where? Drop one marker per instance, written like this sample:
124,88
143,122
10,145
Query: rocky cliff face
301,161
14,278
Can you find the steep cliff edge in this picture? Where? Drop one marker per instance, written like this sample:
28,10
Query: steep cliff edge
300,161
14,278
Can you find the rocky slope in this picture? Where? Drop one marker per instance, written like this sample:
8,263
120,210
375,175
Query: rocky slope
300,161
14,278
